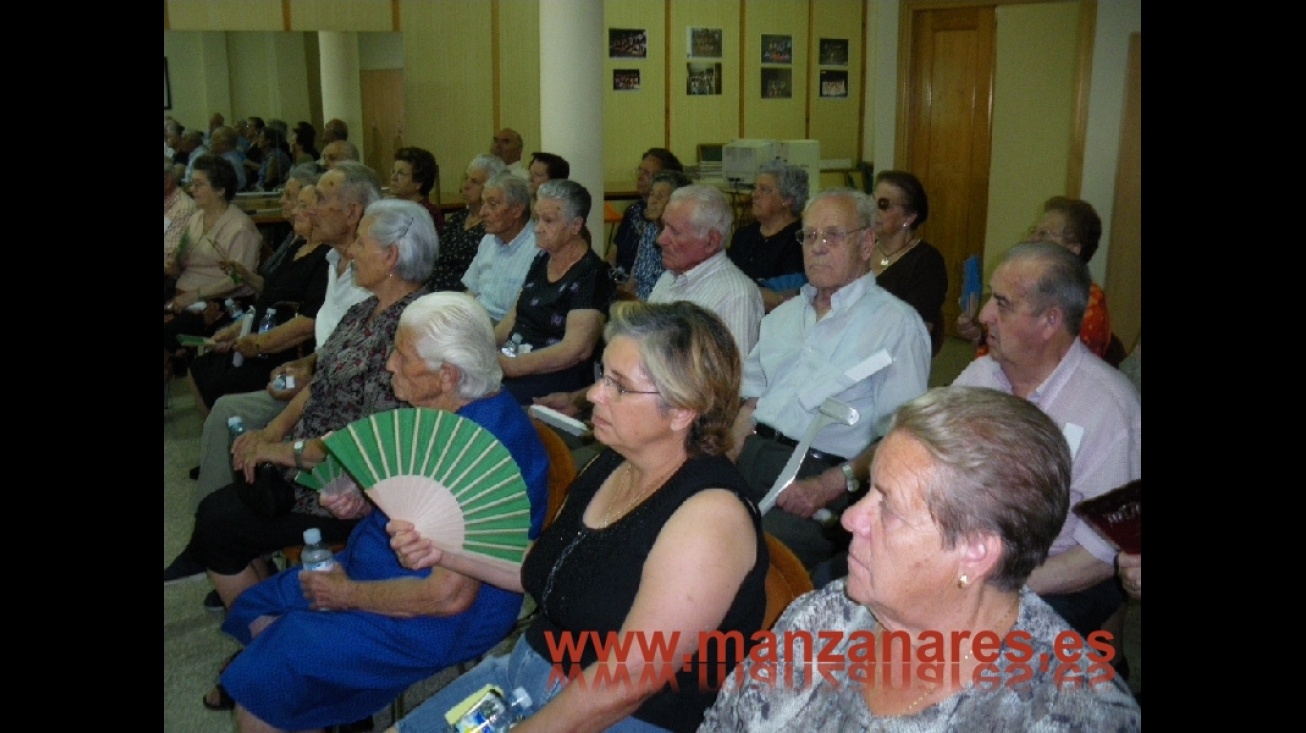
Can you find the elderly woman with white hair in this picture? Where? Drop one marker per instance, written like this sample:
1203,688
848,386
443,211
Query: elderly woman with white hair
262,512
935,628
386,626
551,335
769,250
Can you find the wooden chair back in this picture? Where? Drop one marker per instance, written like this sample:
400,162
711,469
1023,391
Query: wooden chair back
785,580
562,468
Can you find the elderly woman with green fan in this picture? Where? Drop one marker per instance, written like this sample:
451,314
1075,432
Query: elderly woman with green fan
386,626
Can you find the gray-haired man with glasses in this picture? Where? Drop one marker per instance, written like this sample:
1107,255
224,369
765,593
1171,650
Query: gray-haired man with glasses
842,337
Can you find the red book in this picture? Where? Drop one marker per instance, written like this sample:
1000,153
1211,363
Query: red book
1117,515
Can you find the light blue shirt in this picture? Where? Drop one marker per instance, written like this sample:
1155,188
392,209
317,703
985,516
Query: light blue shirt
497,272
800,360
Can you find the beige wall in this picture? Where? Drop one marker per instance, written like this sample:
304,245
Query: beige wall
635,121
241,74
450,64
1033,100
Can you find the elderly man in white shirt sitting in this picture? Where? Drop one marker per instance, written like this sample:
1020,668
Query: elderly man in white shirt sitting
499,268
843,337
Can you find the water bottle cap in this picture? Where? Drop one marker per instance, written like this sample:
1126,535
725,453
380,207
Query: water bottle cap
312,536
521,698
271,311
235,421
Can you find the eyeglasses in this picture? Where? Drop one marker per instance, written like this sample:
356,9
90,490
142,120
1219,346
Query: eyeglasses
615,388
884,204
1038,234
832,237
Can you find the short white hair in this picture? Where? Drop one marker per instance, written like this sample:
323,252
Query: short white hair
452,328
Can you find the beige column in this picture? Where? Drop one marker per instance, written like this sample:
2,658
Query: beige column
572,49
342,95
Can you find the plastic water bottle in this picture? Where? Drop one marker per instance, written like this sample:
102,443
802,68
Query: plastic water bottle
316,555
233,308
235,426
512,347
246,325
269,321
493,712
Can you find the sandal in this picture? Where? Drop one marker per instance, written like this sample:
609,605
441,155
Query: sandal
223,700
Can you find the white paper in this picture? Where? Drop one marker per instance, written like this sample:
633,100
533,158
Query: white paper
1074,435
872,364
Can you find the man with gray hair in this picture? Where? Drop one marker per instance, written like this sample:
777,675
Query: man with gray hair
192,144
343,194
1040,292
508,146
223,142
504,257
697,224
696,228
845,338
337,151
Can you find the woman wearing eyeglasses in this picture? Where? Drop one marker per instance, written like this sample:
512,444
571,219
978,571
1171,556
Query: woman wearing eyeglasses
655,538
904,264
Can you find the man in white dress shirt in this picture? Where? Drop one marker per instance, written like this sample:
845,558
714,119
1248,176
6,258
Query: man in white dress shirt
504,257
842,337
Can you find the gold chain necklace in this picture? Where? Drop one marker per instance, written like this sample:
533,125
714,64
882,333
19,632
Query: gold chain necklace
888,257
630,480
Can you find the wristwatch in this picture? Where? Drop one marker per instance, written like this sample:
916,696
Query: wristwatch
298,448
850,479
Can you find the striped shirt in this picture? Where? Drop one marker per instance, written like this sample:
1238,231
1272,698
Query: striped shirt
497,272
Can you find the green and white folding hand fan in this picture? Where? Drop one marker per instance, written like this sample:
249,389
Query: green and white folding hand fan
451,478
328,477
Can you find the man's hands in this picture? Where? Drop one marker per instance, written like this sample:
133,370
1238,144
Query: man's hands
805,496
1130,569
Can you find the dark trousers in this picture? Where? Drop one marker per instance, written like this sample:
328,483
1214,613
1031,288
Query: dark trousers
228,535
1088,609
760,461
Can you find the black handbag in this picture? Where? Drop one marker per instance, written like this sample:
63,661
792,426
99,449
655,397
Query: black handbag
270,495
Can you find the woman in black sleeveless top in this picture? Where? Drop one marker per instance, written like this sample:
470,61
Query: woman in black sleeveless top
656,545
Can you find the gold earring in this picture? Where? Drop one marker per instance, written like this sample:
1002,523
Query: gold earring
963,581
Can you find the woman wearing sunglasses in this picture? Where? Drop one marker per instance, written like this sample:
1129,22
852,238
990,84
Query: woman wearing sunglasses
903,263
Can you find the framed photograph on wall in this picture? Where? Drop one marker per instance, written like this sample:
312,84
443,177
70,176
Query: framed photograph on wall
834,52
777,49
703,79
625,80
627,43
704,43
167,86
834,84
777,83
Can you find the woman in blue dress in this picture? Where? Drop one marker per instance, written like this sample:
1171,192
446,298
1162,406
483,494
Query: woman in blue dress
326,648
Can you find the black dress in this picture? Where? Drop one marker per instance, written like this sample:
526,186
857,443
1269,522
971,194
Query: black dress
541,321
920,278
299,286
587,579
